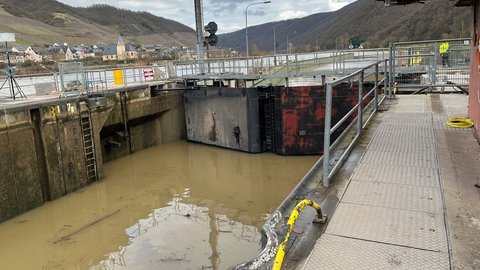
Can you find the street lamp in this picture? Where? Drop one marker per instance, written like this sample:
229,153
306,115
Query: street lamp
294,32
275,39
246,21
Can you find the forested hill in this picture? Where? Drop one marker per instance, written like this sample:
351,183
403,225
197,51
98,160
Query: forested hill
47,19
366,21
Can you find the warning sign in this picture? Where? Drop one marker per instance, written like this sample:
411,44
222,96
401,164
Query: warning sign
148,74
118,76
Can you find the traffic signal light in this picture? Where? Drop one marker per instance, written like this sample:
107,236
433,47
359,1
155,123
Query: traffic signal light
211,39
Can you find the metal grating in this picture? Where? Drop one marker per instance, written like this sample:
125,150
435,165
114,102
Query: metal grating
411,104
339,253
392,226
408,119
413,198
405,133
391,215
415,159
427,177
388,145
411,109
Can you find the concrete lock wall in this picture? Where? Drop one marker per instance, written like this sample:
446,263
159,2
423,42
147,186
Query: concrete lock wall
139,121
20,189
43,155
42,146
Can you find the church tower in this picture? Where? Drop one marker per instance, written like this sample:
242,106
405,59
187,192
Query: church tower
121,53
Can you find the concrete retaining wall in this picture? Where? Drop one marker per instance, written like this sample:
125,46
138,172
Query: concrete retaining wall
20,189
42,154
139,121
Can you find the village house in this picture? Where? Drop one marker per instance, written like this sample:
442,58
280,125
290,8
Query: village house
70,54
17,54
40,53
57,53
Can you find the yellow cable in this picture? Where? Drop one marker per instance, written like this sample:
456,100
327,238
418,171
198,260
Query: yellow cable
459,122
291,222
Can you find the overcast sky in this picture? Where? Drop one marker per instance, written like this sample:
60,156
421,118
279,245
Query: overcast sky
229,14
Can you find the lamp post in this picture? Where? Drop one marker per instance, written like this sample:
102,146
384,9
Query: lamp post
294,32
246,21
275,39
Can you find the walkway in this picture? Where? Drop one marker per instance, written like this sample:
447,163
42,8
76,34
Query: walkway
392,214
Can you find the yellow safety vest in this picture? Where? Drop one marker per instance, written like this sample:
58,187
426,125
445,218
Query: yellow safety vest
444,47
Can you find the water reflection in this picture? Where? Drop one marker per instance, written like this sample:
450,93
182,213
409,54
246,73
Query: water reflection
175,206
182,236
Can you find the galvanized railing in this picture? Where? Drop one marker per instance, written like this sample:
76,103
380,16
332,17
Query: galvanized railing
76,79
330,62
422,64
30,84
99,81
330,169
278,66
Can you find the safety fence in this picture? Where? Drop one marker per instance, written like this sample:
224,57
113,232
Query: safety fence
329,62
75,79
72,79
375,70
99,81
429,64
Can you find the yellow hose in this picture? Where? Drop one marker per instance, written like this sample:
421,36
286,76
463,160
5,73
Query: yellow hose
291,222
459,122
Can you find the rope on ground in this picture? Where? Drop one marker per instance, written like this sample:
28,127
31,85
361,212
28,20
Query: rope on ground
459,122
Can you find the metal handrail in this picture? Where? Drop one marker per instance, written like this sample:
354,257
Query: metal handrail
327,145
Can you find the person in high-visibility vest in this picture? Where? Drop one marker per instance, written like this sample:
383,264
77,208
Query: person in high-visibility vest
444,52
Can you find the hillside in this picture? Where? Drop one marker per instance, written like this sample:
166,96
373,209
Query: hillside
98,23
363,20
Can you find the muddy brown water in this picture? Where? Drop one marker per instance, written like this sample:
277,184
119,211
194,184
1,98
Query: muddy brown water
174,206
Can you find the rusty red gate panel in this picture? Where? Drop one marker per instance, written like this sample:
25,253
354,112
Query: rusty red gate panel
300,116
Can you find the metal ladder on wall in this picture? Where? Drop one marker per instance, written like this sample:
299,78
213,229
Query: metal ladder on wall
269,108
88,147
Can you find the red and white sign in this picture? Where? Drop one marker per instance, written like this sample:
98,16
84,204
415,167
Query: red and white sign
148,74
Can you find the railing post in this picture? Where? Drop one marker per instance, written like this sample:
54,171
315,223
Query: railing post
386,76
55,78
125,78
434,75
296,63
333,61
392,66
287,64
376,87
106,80
326,135
360,104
